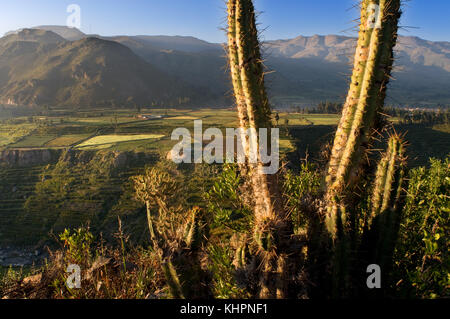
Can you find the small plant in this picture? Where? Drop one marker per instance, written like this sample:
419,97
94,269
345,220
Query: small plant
78,245
176,234
225,203
225,278
8,278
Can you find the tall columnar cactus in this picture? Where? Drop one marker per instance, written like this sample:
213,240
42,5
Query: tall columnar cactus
270,222
235,70
386,200
383,217
360,118
389,180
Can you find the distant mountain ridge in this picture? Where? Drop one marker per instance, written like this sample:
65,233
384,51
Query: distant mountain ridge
38,67
71,34
335,48
307,69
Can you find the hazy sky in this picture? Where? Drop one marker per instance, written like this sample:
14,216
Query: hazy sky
429,19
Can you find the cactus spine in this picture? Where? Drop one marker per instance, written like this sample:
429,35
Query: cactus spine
386,200
389,179
254,112
235,71
176,235
371,73
382,224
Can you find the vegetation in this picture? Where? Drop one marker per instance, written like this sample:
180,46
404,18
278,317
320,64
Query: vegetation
112,139
231,231
90,71
420,267
422,258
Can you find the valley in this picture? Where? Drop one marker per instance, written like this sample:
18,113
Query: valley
65,168
130,167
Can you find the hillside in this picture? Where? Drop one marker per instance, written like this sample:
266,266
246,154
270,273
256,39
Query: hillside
71,34
306,70
41,68
320,65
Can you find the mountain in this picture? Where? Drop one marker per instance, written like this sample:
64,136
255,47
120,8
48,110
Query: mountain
306,70
194,61
303,70
70,34
322,63
38,67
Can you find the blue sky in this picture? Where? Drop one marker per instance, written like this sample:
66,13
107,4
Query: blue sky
429,19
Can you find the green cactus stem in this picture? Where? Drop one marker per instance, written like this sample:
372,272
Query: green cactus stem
235,70
389,180
382,224
173,281
387,197
247,72
361,114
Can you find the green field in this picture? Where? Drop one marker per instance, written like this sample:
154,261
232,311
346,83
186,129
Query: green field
67,140
93,181
11,133
32,141
126,130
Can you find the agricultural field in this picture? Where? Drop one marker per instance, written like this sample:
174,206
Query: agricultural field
105,141
67,140
12,133
33,141
150,130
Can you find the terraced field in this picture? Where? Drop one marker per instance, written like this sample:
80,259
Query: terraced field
67,140
11,133
33,141
84,187
16,185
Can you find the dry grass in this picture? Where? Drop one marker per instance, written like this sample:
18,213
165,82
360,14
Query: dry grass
109,273
113,139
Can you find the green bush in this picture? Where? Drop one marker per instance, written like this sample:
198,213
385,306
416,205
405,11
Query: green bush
422,258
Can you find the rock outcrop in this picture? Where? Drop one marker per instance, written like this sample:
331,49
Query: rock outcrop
28,157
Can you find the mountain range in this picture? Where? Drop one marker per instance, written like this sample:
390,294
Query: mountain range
56,65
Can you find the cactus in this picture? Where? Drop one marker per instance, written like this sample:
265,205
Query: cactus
389,180
176,235
387,199
173,280
372,67
360,120
361,114
383,217
254,112
251,99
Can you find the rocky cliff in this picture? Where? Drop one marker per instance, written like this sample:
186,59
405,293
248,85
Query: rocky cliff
28,157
